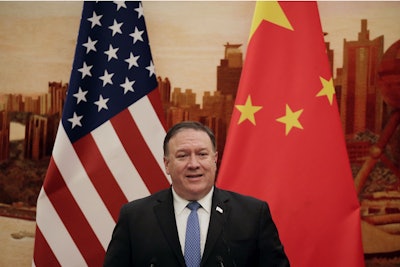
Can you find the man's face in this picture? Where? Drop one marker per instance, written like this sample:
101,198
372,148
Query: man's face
191,163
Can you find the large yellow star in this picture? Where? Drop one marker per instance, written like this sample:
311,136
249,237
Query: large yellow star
270,11
291,119
247,111
327,89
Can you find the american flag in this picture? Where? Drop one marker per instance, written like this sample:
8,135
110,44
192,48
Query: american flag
108,148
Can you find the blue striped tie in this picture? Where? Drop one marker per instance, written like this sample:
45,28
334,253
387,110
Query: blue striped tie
192,240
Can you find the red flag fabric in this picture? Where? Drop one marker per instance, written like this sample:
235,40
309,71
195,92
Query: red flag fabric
108,148
285,144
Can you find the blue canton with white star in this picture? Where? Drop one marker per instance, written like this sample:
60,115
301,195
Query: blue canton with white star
112,68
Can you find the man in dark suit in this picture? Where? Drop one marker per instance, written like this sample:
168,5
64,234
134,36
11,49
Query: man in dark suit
235,230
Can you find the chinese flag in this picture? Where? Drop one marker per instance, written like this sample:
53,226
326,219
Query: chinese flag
285,144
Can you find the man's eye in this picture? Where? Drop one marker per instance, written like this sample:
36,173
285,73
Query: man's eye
180,156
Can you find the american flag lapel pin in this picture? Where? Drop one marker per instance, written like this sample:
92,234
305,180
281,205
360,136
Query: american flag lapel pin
219,210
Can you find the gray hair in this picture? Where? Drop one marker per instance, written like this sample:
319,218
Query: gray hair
187,125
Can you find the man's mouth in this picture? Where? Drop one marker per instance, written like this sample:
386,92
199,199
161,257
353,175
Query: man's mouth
191,176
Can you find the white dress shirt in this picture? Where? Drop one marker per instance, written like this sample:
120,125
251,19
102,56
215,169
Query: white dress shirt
182,213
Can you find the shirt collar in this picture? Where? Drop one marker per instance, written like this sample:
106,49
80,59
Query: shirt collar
180,203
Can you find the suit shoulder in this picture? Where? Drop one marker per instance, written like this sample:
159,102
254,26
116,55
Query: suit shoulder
240,197
147,201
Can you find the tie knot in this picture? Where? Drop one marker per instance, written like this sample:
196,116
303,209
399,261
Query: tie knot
193,205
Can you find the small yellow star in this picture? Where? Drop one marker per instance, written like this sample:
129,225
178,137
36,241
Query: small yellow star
291,119
327,89
247,111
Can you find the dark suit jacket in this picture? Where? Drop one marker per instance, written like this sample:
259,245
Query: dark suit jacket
242,235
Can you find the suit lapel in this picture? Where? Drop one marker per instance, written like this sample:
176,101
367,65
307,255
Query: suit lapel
166,218
219,214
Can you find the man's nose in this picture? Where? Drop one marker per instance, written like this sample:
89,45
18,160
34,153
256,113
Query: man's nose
193,161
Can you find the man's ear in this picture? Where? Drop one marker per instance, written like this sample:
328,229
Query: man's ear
166,163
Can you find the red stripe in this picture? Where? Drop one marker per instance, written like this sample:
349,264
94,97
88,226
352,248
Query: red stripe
43,255
155,99
144,162
73,218
100,174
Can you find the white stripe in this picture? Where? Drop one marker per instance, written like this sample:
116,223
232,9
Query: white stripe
119,162
82,188
56,234
153,133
